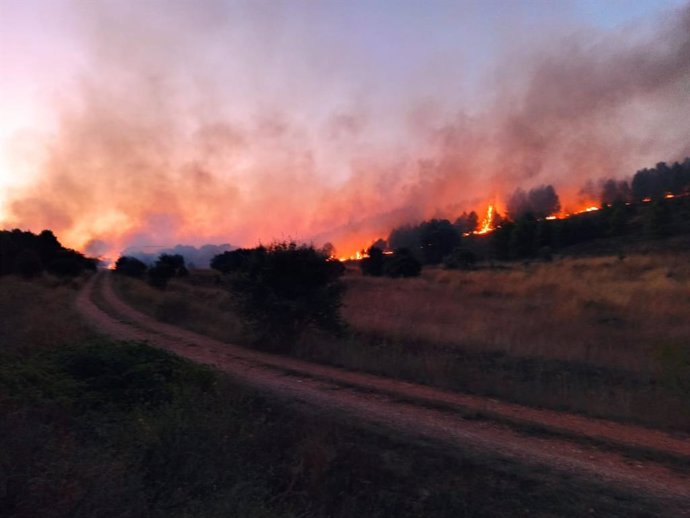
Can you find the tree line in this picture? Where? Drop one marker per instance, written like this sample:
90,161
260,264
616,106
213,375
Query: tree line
29,255
524,231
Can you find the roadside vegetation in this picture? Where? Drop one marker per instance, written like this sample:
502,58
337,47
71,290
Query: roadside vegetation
91,427
605,335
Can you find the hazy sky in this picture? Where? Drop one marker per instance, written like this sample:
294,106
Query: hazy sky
163,120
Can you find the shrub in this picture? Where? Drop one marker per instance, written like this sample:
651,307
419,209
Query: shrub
166,267
283,289
402,264
373,265
130,266
68,263
231,261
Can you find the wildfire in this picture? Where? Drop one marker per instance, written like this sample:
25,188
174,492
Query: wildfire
564,215
357,256
487,222
486,226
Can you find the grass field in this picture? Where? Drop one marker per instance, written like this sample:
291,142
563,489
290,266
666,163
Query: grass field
606,336
91,427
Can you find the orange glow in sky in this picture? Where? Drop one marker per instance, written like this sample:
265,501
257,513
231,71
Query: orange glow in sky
166,122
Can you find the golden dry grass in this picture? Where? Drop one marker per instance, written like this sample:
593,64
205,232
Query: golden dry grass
200,308
601,311
584,334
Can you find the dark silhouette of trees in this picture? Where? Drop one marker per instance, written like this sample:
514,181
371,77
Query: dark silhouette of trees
283,289
402,264
437,238
429,241
661,180
328,249
405,236
522,238
373,265
28,254
130,266
615,191
228,262
380,243
500,240
66,264
618,219
658,219
466,223
165,268
540,202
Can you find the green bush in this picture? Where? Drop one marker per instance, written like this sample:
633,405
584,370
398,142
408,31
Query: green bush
130,266
285,288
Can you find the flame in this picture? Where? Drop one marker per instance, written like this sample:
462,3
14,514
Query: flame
565,214
357,256
486,225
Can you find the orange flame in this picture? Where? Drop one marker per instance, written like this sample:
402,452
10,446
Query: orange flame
487,222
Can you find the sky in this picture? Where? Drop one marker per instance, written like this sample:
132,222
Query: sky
158,122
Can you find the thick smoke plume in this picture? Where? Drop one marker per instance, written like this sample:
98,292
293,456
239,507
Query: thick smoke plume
195,129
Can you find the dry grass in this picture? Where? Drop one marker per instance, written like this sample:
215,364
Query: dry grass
599,311
582,334
190,304
39,314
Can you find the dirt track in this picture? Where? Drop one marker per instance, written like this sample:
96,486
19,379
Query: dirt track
632,458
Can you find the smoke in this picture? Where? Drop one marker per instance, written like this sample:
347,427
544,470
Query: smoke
231,124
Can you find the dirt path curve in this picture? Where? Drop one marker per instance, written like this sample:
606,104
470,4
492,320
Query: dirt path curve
649,462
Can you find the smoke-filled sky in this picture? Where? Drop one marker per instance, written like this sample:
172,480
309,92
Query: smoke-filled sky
158,122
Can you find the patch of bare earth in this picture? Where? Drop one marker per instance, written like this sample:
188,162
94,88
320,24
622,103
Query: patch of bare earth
645,461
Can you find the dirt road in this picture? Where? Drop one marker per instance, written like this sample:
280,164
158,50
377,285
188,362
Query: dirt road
645,461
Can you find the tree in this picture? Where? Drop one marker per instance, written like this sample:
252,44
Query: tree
437,238
28,254
658,219
618,220
328,250
233,260
540,202
406,236
130,266
166,267
68,263
613,191
500,240
467,222
283,289
373,265
522,238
